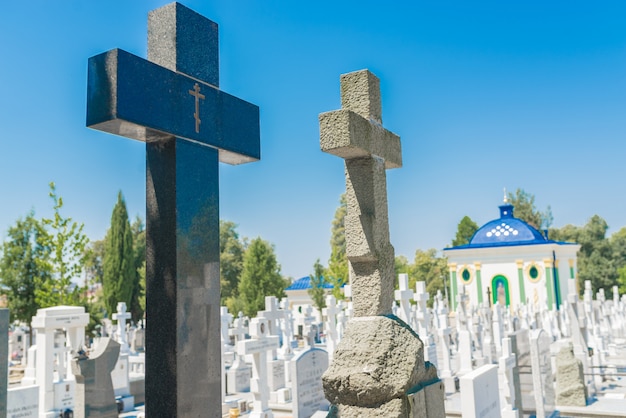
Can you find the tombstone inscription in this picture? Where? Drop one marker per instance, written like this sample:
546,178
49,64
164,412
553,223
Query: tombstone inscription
173,103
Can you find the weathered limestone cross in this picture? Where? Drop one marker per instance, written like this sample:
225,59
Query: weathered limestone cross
158,101
355,133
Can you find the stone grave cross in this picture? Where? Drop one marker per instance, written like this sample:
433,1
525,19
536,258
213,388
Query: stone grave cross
121,316
172,102
355,133
404,295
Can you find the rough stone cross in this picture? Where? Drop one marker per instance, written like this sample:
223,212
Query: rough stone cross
186,136
355,133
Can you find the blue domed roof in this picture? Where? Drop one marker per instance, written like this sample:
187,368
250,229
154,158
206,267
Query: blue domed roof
504,231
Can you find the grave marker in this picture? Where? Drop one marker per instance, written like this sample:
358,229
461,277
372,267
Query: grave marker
173,103
390,352
95,397
259,346
543,382
479,393
306,377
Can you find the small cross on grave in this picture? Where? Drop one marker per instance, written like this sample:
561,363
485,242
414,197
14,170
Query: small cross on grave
489,295
423,317
404,296
225,319
286,350
330,312
355,133
272,314
121,316
259,346
172,102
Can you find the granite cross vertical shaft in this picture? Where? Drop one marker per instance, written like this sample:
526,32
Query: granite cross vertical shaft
186,135
355,133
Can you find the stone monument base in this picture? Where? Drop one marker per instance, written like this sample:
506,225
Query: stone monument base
379,371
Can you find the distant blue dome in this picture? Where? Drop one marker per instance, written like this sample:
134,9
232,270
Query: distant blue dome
504,231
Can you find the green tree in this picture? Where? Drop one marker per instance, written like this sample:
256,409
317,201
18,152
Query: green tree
20,267
598,257
231,261
119,260
430,268
138,298
317,291
525,210
93,262
67,243
337,271
464,231
260,277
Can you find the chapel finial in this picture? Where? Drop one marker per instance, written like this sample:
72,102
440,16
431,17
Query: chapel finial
506,200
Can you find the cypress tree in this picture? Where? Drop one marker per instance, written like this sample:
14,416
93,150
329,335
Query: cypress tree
119,275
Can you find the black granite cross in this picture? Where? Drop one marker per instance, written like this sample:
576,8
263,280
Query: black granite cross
172,102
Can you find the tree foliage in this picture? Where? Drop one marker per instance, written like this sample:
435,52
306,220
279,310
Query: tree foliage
464,231
94,258
138,298
525,209
231,261
337,271
430,268
317,291
599,258
119,272
67,243
21,267
260,277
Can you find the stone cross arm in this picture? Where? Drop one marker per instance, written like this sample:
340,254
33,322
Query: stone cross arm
348,135
135,98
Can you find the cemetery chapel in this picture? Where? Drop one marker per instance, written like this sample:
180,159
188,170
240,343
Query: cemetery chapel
510,262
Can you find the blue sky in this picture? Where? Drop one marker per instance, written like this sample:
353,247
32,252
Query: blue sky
484,96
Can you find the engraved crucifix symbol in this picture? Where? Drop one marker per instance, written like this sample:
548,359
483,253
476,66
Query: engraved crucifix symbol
196,93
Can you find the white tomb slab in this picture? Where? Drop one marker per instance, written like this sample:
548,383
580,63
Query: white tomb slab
306,376
480,394
23,402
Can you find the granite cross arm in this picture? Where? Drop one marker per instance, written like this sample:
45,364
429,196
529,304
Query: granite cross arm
135,98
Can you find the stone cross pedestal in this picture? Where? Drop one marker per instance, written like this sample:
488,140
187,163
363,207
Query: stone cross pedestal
173,103
378,369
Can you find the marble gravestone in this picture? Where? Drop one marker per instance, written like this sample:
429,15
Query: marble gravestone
379,355
172,102
306,377
479,393
543,382
95,397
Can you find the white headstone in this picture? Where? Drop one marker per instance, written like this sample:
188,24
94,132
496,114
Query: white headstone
306,376
479,393
543,380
